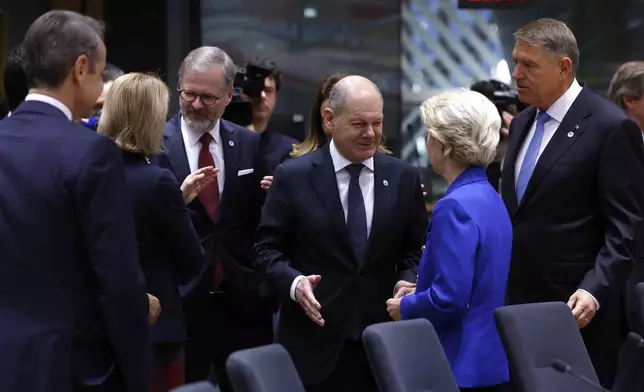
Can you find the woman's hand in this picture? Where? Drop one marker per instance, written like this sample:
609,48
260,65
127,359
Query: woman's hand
266,182
393,308
194,183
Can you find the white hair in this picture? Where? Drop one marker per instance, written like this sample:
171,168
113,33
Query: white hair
204,57
465,123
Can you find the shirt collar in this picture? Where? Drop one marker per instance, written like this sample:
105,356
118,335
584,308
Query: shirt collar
194,136
561,106
51,101
340,162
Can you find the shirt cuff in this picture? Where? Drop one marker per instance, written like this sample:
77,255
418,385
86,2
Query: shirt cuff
294,285
591,296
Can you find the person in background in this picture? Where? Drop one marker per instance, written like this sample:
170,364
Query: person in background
15,80
341,228
464,268
111,73
74,308
224,309
572,183
275,146
626,89
169,250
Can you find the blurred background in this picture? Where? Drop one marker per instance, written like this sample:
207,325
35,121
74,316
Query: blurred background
411,49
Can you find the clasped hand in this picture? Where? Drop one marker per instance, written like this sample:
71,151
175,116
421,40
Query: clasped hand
401,289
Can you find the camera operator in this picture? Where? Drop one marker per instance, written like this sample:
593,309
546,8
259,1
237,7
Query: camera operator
506,100
275,146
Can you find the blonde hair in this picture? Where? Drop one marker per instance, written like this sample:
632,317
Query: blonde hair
465,123
134,113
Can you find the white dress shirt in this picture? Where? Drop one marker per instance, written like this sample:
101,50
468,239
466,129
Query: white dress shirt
51,101
193,147
556,111
343,179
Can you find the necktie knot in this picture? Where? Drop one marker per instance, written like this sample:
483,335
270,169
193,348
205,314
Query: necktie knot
543,117
205,139
354,170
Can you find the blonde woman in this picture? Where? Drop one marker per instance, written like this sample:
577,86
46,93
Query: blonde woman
170,254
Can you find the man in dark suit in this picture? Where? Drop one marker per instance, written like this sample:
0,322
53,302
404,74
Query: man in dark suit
348,222
74,308
572,183
224,312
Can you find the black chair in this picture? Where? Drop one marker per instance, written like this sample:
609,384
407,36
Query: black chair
630,377
406,356
263,369
535,335
203,386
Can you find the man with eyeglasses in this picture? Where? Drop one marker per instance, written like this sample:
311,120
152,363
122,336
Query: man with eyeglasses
223,309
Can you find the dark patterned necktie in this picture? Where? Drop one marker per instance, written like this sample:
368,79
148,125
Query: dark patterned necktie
356,213
209,197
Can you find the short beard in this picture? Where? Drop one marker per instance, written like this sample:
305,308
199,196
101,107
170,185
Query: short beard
201,126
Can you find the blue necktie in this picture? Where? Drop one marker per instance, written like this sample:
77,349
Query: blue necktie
530,159
356,214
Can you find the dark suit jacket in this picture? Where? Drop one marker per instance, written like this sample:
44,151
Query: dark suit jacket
74,306
169,249
303,231
579,224
276,148
231,236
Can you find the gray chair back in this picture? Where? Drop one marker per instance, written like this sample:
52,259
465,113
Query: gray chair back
406,356
263,369
203,386
533,336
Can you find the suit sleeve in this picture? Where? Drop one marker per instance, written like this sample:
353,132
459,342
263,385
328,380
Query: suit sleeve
408,266
106,220
454,240
272,237
621,194
174,223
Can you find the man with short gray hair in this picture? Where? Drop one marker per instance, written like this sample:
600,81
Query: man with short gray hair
627,90
74,308
572,183
224,312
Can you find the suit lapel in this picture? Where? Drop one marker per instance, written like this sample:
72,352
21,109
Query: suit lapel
522,125
176,153
326,186
383,192
230,146
567,134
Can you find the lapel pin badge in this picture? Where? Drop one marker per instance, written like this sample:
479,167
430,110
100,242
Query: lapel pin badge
385,183
577,126
231,143
571,134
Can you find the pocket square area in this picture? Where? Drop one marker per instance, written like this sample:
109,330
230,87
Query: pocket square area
244,172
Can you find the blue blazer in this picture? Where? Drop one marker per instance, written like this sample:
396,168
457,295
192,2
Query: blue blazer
73,304
169,249
462,278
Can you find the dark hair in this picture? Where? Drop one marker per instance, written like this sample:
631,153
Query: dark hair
54,42
111,73
15,81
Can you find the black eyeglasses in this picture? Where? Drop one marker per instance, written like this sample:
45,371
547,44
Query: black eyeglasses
206,99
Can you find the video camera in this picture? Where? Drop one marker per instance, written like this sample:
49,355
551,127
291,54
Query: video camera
248,81
503,96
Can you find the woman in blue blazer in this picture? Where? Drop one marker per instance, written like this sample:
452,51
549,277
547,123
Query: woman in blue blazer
465,264
170,253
